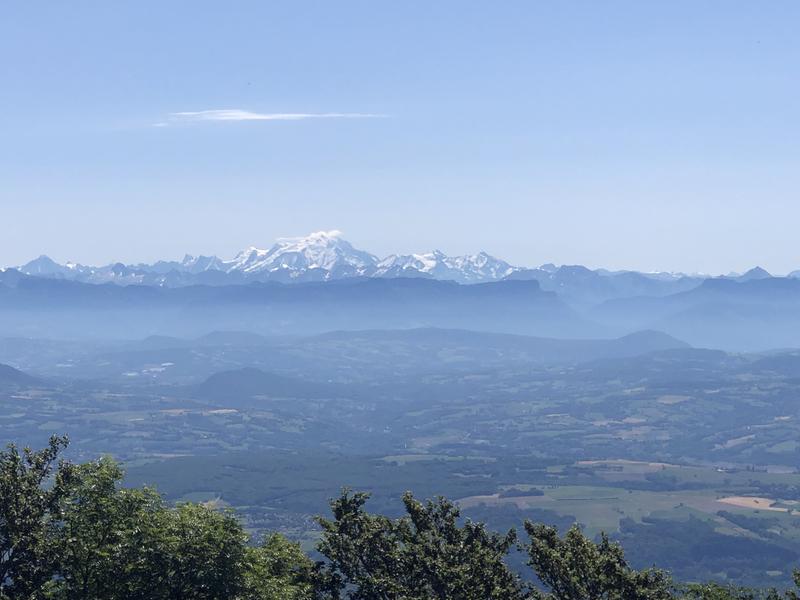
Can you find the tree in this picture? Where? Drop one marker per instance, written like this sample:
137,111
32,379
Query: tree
277,569
796,577
575,568
105,536
362,551
464,561
202,555
115,543
27,509
424,555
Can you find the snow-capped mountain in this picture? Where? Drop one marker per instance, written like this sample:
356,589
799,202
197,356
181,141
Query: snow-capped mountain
189,264
158,273
474,268
321,255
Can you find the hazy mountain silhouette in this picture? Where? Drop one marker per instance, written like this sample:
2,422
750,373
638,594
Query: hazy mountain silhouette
48,307
11,376
755,314
472,345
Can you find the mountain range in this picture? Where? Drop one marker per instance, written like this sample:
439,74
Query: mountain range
319,256
326,256
321,283
740,315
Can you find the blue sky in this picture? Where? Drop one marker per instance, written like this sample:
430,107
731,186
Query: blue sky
648,135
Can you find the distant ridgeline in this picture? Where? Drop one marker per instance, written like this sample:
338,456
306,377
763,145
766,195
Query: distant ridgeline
70,531
325,256
282,292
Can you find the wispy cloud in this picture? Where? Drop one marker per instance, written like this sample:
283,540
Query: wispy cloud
235,114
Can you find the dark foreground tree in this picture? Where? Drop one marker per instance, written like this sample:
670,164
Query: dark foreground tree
202,553
28,507
103,536
427,554
73,532
576,568
115,543
278,569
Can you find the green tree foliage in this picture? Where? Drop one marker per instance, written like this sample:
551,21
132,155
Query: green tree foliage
424,555
103,536
27,509
575,568
79,535
117,543
203,553
278,569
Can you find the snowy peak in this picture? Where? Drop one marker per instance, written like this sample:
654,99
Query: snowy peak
198,264
248,260
323,252
471,268
481,266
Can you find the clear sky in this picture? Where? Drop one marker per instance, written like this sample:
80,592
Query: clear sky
648,135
